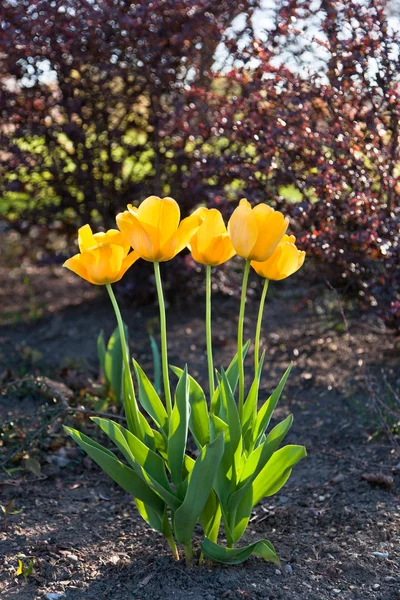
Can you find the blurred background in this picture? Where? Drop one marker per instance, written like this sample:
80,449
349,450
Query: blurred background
292,102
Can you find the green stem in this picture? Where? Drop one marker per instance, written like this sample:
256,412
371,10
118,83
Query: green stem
188,555
240,337
125,354
258,328
211,380
172,545
164,346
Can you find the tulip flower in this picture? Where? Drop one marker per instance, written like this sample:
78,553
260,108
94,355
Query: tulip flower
154,231
256,232
103,257
103,260
284,261
211,244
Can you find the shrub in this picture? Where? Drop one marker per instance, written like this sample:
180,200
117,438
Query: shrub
86,92
138,109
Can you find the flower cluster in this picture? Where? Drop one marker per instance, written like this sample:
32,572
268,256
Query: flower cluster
238,462
156,234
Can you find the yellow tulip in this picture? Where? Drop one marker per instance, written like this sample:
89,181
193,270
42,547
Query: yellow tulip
154,230
256,232
285,261
211,244
103,258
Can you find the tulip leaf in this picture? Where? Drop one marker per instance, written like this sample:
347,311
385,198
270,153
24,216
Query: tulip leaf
137,453
210,518
233,440
199,419
126,477
199,488
242,514
241,502
101,352
113,362
261,455
160,444
250,406
219,408
265,412
232,373
130,407
152,517
228,471
234,556
148,433
149,399
216,426
276,472
178,429
156,364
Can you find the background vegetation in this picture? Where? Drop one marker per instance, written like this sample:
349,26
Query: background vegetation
292,102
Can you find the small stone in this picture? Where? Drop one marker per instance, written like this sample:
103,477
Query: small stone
376,586
380,554
278,572
390,578
288,570
72,558
283,499
336,591
321,498
54,596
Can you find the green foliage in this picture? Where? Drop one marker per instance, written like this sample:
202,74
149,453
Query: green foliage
238,461
112,363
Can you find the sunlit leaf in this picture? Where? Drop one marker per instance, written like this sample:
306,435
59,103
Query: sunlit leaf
234,556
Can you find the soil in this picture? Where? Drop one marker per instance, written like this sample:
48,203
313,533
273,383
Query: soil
336,523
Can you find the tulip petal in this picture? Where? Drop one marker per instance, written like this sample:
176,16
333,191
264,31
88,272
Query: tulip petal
243,229
136,234
86,238
112,236
223,249
160,217
285,261
289,238
104,263
186,231
272,226
75,265
212,226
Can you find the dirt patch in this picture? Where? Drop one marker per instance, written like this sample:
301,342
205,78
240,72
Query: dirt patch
335,532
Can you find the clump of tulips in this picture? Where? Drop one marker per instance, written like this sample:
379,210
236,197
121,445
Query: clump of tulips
238,463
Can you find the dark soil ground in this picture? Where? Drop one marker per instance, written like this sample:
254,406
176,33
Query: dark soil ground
335,525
